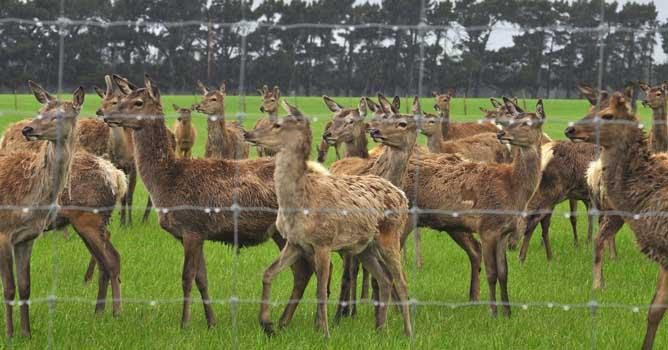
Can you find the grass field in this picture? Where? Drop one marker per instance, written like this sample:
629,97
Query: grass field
152,260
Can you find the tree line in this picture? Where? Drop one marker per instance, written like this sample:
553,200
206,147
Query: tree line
453,49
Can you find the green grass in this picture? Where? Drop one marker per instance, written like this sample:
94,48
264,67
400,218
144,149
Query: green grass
152,260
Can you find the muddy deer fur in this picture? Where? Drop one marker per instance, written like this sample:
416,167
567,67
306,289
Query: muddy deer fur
185,132
454,131
223,141
635,181
377,213
201,182
270,101
564,168
93,183
33,179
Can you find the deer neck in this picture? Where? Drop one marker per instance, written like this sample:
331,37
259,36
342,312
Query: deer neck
435,140
272,116
526,172
216,133
445,123
357,147
392,163
290,175
153,154
625,166
186,126
57,164
659,130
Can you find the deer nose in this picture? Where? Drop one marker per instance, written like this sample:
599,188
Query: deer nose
247,134
326,135
27,130
374,132
99,113
500,134
570,131
262,109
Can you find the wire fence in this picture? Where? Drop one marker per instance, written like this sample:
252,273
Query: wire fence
236,209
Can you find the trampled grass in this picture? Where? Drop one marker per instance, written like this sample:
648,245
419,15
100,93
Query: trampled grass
152,260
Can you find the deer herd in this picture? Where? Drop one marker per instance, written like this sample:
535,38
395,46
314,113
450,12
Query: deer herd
499,178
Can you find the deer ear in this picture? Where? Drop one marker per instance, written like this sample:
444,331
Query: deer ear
434,93
123,84
331,104
495,102
259,91
277,92
109,85
396,104
451,92
78,97
664,86
202,88
643,86
417,110
98,91
223,86
373,106
589,93
483,110
152,90
40,93
385,105
362,108
510,106
176,108
292,110
540,109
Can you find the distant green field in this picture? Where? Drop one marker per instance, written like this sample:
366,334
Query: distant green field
152,261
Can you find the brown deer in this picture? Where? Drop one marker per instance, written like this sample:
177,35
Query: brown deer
93,183
453,131
270,101
216,183
482,147
185,132
359,215
655,98
223,141
33,180
482,186
635,182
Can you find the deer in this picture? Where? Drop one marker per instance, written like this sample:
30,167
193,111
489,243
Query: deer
453,131
634,181
212,182
223,141
270,102
364,216
93,182
33,180
655,98
482,147
481,186
184,132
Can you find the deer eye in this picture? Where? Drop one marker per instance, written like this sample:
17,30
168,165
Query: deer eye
607,116
214,99
432,121
139,103
402,124
277,126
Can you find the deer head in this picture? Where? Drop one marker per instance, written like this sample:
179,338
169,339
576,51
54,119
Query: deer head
185,114
213,101
292,129
56,119
269,99
442,100
655,96
526,128
136,107
111,98
394,129
608,126
347,123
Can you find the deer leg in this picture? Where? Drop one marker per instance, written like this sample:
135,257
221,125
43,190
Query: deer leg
192,246
9,288
124,209
382,285
573,207
612,246
22,254
472,248
391,253
545,229
489,258
147,211
610,224
343,307
365,283
417,236
203,286
301,271
502,274
532,222
590,221
88,276
132,184
322,265
657,309
289,255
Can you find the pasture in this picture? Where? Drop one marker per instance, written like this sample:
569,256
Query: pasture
152,262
